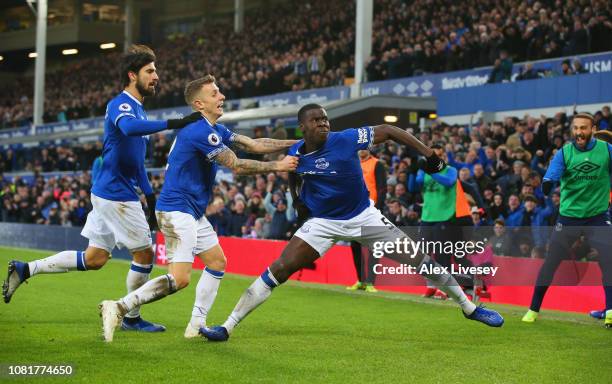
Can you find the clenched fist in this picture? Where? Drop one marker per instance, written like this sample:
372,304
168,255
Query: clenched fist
288,164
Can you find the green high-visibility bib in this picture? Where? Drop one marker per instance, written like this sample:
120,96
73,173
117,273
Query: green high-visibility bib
438,200
585,183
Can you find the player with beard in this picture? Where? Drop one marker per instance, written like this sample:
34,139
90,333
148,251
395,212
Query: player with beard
335,199
583,169
117,218
192,164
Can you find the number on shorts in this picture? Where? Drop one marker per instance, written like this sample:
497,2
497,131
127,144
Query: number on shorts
386,222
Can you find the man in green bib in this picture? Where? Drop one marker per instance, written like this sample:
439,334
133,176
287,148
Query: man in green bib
583,169
438,219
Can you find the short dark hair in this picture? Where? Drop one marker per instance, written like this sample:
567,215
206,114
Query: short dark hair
531,198
134,59
585,115
306,108
193,87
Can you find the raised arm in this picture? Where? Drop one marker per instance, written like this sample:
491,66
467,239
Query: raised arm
447,180
604,135
264,145
270,208
454,163
386,132
131,126
249,167
290,213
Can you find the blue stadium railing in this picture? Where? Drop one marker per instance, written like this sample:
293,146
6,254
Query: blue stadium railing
528,94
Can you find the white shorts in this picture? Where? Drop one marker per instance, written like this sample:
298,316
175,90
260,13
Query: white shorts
185,236
117,223
322,234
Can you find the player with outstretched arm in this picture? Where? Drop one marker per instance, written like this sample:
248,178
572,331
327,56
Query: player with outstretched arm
190,177
334,196
117,218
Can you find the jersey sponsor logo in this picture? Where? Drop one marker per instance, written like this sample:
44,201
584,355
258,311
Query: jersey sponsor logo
214,139
321,163
125,107
586,167
363,135
312,173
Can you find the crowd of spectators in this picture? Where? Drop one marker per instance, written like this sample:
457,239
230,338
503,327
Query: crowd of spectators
58,200
503,161
48,159
502,70
313,47
425,36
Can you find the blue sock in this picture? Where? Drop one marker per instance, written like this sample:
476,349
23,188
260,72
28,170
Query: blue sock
269,279
215,274
80,260
137,276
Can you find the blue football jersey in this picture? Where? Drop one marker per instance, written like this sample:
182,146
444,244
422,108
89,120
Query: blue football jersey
333,185
191,170
123,165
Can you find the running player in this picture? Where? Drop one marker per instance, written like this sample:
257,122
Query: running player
190,176
583,169
334,195
117,218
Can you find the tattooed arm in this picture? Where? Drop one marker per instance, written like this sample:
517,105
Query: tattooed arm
264,145
249,167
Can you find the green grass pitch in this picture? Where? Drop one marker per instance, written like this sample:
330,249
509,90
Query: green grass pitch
304,333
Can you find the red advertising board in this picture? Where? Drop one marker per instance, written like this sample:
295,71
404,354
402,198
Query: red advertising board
251,257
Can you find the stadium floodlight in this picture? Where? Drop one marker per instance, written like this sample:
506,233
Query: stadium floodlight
107,45
71,51
32,55
1,58
390,119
